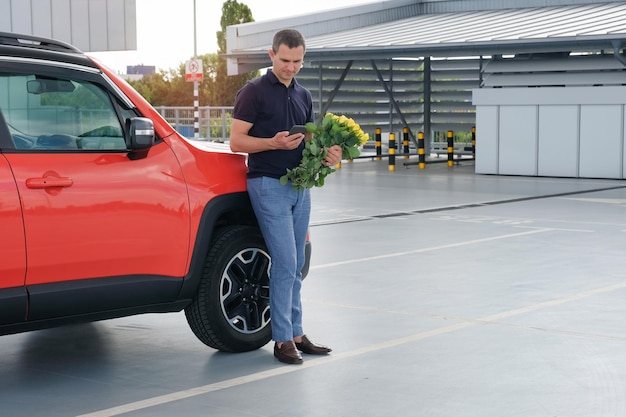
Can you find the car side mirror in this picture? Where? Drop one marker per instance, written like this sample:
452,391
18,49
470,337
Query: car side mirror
141,132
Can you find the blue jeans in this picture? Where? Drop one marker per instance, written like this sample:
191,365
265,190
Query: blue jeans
283,214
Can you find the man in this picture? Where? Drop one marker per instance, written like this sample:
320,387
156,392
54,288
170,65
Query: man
265,109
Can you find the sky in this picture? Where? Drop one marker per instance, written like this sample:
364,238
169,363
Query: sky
165,34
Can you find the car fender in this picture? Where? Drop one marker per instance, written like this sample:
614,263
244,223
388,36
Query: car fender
234,208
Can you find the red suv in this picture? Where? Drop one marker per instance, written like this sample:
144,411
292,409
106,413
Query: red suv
106,211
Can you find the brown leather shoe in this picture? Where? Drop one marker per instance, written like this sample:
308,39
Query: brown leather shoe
306,346
287,353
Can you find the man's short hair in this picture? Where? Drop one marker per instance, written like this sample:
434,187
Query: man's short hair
289,37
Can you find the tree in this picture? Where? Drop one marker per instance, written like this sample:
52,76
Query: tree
233,13
169,88
166,88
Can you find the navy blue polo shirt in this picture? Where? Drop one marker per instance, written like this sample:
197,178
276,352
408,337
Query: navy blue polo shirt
271,107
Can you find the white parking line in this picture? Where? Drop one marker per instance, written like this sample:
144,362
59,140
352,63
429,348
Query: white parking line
430,249
284,369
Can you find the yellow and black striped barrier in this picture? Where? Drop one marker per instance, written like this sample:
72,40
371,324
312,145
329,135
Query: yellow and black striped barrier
379,144
421,151
474,142
450,148
392,152
405,142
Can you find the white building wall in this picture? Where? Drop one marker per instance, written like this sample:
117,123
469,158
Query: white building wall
517,140
601,140
487,150
558,141
551,131
90,25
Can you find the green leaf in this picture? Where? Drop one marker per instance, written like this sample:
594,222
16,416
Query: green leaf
312,164
352,141
314,148
353,153
311,127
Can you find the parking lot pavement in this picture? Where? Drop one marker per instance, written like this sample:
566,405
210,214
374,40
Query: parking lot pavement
442,293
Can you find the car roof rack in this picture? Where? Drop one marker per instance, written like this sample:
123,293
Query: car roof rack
15,39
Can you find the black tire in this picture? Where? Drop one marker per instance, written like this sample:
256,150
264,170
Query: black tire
231,310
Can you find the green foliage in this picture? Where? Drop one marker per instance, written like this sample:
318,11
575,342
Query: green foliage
334,130
169,88
233,13
166,88
217,128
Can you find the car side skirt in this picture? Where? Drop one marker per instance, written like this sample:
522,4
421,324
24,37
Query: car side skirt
13,302
87,300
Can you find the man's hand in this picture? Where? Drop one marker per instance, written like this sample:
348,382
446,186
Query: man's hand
333,155
241,141
284,140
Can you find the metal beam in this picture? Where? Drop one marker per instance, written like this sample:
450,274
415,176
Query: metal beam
427,99
333,93
617,45
393,101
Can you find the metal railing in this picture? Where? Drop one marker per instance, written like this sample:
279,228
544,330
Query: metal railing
214,122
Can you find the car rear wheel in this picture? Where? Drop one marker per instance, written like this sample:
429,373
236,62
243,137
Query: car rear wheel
231,310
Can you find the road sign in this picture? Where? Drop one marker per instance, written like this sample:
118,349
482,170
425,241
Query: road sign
193,70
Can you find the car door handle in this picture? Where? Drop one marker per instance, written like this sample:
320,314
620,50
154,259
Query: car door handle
49,182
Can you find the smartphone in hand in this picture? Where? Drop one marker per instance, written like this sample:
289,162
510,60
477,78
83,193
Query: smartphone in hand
297,129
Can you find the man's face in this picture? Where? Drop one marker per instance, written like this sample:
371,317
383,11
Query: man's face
286,62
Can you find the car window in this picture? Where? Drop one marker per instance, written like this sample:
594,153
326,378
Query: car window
53,114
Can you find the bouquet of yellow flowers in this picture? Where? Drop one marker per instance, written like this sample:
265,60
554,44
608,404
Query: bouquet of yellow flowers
334,130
